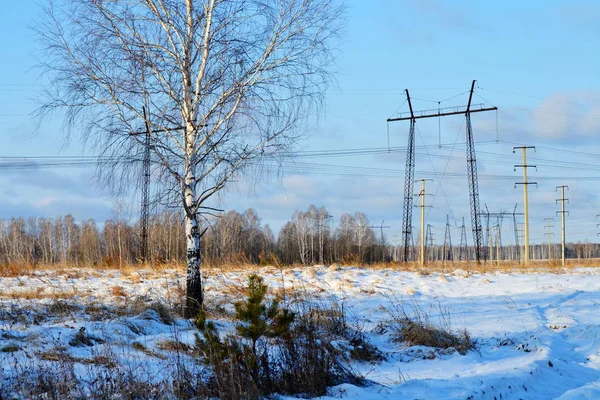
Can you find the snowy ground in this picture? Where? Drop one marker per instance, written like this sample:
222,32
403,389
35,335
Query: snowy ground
537,334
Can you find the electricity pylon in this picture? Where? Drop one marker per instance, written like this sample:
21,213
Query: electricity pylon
145,206
499,219
429,241
463,241
471,165
447,242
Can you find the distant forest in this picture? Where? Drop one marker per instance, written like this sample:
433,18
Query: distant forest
310,237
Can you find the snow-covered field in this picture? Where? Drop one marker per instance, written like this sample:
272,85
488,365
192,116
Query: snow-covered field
537,335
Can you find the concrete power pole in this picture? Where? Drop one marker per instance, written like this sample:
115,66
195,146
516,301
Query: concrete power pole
562,213
549,234
422,206
525,198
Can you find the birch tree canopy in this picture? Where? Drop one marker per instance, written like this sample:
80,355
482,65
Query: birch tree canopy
219,84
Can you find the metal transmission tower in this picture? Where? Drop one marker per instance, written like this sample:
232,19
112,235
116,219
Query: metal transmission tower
409,180
473,181
145,200
145,206
562,213
471,164
429,241
381,228
499,219
463,241
447,242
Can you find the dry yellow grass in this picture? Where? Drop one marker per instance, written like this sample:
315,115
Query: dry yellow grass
40,293
553,266
138,272
118,291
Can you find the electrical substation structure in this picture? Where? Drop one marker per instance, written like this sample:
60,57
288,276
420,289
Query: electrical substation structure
471,168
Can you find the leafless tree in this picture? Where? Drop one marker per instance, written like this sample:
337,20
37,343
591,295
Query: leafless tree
218,83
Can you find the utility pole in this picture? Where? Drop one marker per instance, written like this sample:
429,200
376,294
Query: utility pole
516,231
562,213
498,244
488,232
489,235
525,198
412,243
422,195
597,225
549,227
396,238
471,164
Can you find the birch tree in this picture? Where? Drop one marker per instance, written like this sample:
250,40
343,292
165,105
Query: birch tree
219,84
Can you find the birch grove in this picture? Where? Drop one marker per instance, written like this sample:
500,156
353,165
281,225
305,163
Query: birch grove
233,238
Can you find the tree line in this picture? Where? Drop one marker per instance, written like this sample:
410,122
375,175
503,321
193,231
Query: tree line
309,237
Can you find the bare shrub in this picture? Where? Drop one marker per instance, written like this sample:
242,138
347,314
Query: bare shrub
118,291
173,345
331,320
417,328
164,312
10,348
82,338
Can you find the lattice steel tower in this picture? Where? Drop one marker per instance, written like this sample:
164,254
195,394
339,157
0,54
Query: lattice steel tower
145,206
471,168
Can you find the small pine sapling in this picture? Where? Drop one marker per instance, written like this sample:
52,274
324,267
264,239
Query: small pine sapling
259,318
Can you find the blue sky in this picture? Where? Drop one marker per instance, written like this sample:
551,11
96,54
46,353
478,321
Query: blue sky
537,61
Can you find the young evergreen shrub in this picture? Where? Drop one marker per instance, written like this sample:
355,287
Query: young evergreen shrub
271,353
258,318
